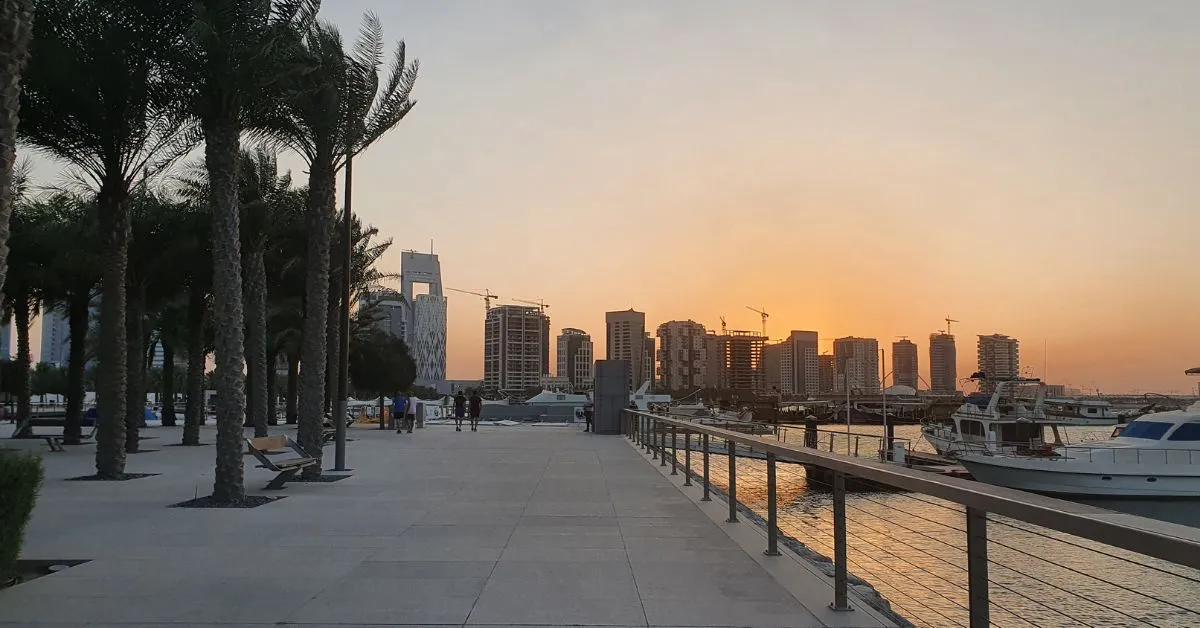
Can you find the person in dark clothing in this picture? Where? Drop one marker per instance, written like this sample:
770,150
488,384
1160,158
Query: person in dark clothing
589,411
476,409
399,407
460,410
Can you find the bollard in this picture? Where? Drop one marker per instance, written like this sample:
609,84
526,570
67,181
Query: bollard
654,439
840,599
731,448
772,515
687,458
707,486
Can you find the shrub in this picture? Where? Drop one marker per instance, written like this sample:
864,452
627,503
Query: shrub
20,478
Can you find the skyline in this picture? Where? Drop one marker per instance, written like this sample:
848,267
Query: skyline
856,170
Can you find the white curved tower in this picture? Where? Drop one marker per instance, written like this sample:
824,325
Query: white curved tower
425,331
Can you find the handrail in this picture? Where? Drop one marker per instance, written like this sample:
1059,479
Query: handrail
1171,542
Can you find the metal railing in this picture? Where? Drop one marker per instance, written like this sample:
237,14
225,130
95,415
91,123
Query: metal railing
927,541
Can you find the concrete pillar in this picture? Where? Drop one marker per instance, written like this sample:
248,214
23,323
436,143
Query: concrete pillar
611,395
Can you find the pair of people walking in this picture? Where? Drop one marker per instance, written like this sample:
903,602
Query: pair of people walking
463,407
404,413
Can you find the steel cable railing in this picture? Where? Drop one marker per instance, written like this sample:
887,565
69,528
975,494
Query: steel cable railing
942,551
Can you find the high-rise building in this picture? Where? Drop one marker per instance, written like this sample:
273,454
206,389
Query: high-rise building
857,364
999,356
575,359
682,355
625,339
735,360
516,348
390,311
56,337
800,372
773,358
5,342
904,363
826,374
649,363
425,327
943,364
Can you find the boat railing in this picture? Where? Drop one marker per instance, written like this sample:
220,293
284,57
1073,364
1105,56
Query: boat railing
1110,455
940,550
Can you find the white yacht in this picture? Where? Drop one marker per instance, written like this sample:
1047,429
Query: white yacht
1157,455
1094,412
1006,420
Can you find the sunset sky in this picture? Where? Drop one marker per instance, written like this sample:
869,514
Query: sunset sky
858,168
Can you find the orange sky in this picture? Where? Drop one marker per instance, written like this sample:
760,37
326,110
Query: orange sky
856,168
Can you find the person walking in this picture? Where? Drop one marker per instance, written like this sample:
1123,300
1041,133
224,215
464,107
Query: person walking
476,409
460,410
410,415
589,411
399,407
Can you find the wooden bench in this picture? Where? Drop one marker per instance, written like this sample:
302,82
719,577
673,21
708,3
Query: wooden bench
54,438
287,468
329,430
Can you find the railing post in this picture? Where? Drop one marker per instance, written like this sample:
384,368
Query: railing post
977,567
662,446
687,457
730,447
674,450
654,439
772,515
707,486
840,601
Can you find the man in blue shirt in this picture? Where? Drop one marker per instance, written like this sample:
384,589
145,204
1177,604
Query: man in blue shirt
399,406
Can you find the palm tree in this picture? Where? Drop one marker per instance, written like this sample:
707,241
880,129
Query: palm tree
239,46
98,94
27,260
17,18
338,111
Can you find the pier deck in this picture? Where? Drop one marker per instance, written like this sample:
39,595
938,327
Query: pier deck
504,527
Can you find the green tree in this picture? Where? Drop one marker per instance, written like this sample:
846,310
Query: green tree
28,258
16,16
48,379
99,93
380,364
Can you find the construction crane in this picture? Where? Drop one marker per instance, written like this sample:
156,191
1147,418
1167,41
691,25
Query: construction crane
948,321
764,316
540,303
486,294
723,326
901,337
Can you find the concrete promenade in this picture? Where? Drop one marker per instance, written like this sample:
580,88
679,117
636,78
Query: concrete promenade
518,526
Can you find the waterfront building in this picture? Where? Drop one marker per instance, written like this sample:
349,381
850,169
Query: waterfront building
682,355
56,337
516,341
425,324
825,374
999,358
943,364
800,370
575,362
857,364
904,363
625,339
773,358
735,361
5,342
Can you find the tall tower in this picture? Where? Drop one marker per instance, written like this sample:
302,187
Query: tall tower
857,363
904,363
943,367
682,355
425,327
625,339
999,357
56,337
575,358
804,368
516,342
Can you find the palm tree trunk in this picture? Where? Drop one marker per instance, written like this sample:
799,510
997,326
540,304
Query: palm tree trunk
168,383
272,393
316,298
77,320
21,318
220,156
193,413
110,351
17,18
135,362
256,338
290,415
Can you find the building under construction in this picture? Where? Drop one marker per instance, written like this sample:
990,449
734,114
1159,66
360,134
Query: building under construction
516,348
735,361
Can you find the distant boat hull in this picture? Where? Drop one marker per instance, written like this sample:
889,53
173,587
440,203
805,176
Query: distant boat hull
1083,478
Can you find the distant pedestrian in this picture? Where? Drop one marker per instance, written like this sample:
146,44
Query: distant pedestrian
589,411
399,407
460,410
410,413
476,409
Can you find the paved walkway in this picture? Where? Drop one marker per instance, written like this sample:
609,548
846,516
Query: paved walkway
508,526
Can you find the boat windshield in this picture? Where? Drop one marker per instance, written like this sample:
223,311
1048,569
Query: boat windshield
1149,430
